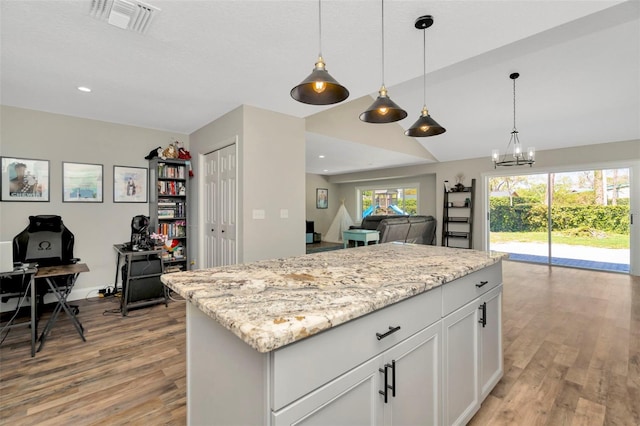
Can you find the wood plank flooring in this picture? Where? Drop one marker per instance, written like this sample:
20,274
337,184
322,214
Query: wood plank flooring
571,352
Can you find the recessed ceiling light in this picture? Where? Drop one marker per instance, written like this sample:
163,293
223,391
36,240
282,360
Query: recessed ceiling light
320,156
325,170
84,89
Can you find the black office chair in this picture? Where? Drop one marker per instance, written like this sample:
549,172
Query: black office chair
47,242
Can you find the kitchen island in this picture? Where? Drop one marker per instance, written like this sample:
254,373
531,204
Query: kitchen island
358,336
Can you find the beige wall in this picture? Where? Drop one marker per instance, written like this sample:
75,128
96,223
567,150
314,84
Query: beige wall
271,162
322,218
96,226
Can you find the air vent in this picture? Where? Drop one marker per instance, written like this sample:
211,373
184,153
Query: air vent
126,14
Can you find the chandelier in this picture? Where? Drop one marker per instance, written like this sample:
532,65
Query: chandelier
519,157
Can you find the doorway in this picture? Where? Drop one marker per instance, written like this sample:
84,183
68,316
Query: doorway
577,219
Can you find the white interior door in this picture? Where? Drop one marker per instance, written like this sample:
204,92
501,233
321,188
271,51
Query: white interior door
220,201
228,203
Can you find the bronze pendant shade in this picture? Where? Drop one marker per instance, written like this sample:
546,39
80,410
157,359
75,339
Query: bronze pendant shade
383,109
319,88
425,126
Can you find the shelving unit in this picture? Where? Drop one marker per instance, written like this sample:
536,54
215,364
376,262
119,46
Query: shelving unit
168,207
457,216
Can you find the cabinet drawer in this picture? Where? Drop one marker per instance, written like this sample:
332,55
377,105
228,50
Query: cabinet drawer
459,292
301,367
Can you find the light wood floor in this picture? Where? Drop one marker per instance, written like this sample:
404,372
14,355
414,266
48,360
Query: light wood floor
571,350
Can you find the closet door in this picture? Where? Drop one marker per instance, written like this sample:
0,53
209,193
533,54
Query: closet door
220,207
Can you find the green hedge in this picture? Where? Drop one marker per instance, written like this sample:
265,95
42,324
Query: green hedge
533,217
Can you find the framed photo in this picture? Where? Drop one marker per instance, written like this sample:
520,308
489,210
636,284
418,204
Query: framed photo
130,184
82,183
322,198
24,180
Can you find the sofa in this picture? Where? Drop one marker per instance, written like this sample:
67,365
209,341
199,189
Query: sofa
408,229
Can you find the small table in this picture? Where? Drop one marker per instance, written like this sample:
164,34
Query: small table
61,293
364,235
129,256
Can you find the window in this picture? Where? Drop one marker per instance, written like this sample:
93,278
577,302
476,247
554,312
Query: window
388,201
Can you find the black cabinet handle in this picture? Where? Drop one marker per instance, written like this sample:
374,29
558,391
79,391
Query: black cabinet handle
483,320
391,331
386,382
393,378
482,284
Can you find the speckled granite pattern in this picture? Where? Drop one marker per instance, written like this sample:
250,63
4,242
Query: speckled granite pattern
272,303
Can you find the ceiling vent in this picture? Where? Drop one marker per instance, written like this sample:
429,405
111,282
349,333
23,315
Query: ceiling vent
126,14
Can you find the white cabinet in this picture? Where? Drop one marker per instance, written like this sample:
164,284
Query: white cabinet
472,355
491,367
411,371
433,349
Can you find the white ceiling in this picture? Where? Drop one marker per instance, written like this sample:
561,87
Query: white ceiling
579,65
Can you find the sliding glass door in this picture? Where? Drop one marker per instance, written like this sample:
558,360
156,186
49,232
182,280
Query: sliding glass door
518,225
578,218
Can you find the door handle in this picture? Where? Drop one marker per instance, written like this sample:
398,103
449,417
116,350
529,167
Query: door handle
483,320
386,383
482,284
393,378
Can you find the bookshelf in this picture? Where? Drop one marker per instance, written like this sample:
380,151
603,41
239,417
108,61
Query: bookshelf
457,217
168,207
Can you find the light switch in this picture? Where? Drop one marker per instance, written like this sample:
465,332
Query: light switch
284,213
258,214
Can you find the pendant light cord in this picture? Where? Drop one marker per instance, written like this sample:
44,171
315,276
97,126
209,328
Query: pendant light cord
383,42
514,104
424,67
320,28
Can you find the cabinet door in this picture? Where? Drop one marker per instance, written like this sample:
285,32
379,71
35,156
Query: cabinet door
418,379
351,399
491,369
460,364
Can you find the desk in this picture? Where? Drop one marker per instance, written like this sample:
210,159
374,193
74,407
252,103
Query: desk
364,235
31,271
127,301
61,293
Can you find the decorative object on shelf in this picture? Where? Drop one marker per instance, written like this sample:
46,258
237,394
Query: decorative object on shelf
322,198
459,187
383,109
24,179
130,184
82,183
519,158
319,88
425,126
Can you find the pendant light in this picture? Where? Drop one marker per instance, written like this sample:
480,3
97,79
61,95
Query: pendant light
319,88
383,109
425,126
519,159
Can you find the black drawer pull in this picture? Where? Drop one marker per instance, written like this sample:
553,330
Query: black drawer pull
391,330
482,284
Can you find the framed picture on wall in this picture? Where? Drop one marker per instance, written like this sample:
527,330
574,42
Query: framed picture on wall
24,180
81,183
130,184
322,198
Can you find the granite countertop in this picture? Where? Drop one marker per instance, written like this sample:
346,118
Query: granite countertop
272,303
